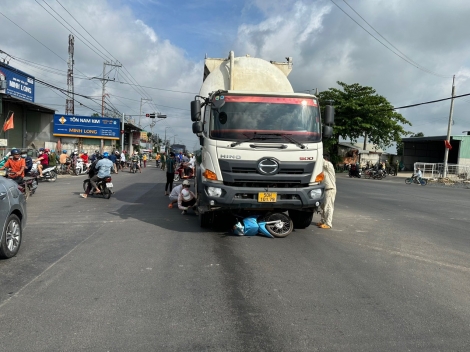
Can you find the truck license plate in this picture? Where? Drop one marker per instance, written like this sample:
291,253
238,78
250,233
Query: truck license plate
267,197
109,185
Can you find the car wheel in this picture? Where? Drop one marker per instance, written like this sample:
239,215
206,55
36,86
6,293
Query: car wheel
11,238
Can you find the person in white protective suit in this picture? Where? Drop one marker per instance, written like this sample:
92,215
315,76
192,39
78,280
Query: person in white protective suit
328,205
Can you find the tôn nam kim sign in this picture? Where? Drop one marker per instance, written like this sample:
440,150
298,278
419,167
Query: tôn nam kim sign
86,126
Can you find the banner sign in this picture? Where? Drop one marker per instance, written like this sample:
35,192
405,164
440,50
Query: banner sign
143,136
87,127
16,83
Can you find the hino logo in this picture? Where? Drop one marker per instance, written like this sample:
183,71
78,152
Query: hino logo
268,166
226,156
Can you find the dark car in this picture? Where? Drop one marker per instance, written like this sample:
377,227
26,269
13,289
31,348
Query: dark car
12,217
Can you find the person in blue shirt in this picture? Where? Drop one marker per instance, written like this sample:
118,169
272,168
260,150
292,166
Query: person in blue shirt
103,169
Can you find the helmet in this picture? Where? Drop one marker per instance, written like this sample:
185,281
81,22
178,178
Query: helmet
15,152
64,151
41,149
85,152
186,183
105,154
46,150
97,151
75,153
135,153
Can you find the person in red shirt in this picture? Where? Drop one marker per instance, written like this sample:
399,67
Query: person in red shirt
84,157
44,159
16,166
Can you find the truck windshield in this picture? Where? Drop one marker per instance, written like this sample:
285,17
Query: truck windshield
243,116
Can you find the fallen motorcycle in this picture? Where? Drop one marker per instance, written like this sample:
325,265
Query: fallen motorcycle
269,225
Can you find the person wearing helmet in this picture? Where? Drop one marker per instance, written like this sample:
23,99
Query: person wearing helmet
135,159
16,165
102,170
28,161
94,156
187,199
417,175
175,192
43,158
84,157
52,157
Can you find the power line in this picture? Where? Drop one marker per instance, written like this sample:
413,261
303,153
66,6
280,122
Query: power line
400,56
430,102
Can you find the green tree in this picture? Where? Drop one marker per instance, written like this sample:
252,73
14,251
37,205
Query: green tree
95,114
360,112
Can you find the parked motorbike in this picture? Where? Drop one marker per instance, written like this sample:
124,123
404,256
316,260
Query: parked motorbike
49,174
412,179
183,171
355,172
105,185
375,174
81,167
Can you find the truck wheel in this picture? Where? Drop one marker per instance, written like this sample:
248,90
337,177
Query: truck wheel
301,219
205,219
282,229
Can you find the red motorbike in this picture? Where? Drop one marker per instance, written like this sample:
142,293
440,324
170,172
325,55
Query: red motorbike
183,171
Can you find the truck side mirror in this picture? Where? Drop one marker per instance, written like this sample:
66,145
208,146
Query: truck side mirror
195,111
197,127
327,131
329,115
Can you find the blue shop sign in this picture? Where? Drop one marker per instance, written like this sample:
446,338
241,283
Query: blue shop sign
18,84
86,126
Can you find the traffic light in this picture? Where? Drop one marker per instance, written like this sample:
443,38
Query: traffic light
152,115
147,115
161,116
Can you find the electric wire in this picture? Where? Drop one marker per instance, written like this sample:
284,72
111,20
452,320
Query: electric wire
400,56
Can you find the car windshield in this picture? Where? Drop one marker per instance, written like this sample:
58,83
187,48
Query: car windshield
243,117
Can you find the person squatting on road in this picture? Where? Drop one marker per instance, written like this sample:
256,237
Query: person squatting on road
175,192
186,199
102,169
327,207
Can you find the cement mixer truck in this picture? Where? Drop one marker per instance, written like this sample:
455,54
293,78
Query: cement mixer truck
261,143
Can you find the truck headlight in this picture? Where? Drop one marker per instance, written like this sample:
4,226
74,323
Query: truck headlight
315,193
214,191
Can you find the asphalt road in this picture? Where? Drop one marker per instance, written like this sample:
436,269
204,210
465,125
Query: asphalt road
129,274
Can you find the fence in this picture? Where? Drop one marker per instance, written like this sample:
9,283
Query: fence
436,170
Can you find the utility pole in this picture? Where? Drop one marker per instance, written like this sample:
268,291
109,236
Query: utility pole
104,80
69,102
141,100
446,153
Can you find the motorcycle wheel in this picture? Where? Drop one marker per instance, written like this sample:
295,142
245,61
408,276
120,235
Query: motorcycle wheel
85,184
367,175
424,182
106,192
53,177
177,177
27,192
282,229
408,181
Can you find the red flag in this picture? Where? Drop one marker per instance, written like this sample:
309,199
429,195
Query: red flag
447,143
9,123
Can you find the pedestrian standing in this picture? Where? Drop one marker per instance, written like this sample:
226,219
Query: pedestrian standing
170,172
144,159
327,207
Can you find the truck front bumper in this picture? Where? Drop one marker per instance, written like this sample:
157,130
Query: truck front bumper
247,197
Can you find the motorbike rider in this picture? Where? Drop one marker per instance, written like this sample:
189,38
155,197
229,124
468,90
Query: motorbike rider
16,166
84,157
102,169
418,175
136,159
28,161
43,158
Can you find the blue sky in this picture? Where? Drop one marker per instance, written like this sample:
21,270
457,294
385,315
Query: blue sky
162,45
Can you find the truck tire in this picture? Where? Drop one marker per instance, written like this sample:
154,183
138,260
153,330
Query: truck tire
301,219
205,219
